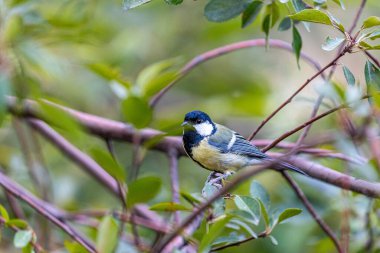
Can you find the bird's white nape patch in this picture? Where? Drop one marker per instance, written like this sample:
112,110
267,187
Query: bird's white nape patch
232,142
204,129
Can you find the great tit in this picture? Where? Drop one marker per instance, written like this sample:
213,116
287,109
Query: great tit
220,149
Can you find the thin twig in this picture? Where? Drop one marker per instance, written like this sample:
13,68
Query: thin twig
287,101
329,76
287,134
370,241
357,16
38,248
312,211
373,58
224,50
260,235
46,210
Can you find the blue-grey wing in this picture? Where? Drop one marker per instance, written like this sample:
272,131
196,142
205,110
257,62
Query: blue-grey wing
243,147
227,140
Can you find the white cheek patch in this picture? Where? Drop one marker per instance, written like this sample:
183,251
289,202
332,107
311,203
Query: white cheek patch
204,129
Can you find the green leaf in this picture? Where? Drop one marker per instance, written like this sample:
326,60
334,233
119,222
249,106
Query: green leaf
108,163
349,76
232,237
311,15
340,3
143,189
288,213
60,118
22,238
28,249
371,22
249,205
219,205
4,213
274,12
265,26
244,226
109,73
4,91
107,237
190,198
74,247
297,44
174,2
250,14
169,207
21,224
216,229
374,35
367,46
273,240
299,5
156,76
372,75
264,213
130,4
136,111
259,192
336,23
223,10
332,43
285,24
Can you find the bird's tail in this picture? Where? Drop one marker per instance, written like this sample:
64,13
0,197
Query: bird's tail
281,165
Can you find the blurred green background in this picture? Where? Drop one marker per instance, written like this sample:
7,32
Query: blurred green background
48,48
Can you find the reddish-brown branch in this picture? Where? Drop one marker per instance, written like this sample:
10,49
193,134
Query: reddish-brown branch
312,211
225,50
174,181
287,101
72,152
45,209
289,133
373,58
357,16
106,128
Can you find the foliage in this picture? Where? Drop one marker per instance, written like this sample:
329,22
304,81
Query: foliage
94,57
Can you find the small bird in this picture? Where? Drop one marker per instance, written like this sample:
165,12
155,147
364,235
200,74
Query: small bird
220,149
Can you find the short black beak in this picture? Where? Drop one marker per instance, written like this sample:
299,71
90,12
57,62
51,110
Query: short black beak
185,123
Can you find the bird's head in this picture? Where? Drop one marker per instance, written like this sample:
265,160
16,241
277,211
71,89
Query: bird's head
199,122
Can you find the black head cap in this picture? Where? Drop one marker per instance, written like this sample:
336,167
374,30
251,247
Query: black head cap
197,117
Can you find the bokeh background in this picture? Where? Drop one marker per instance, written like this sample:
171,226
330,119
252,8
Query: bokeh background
51,46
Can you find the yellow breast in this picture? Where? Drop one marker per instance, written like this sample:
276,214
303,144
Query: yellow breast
212,159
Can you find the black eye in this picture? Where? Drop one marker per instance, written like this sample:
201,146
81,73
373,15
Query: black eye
198,121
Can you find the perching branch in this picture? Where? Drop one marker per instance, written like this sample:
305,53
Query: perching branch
107,128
